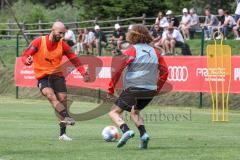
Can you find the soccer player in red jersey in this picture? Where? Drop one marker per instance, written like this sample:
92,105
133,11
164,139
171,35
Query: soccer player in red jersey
46,53
145,75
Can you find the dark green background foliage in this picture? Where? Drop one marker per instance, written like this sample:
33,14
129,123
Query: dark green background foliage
70,10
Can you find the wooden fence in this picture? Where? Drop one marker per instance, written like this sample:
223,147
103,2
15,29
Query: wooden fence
10,29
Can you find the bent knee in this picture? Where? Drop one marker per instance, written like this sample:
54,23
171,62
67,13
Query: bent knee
134,111
63,99
115,110
110,114
51,96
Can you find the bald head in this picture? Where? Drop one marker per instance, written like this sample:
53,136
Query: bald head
220,12
58,30
58,25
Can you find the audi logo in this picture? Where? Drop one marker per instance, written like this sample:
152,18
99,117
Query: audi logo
177,73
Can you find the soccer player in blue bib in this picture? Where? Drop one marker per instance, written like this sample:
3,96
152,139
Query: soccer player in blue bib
145,75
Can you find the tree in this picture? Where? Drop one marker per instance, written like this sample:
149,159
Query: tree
52,3
109,9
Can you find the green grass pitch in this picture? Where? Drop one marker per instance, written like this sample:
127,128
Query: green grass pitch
29,130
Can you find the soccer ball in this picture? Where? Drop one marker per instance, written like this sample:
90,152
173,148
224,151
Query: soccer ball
110,133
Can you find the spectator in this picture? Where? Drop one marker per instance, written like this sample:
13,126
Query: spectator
236,30
125,45
221,16
130,27
172,38
184,24
157,38
237,12
162,21
117,38
228,24
172,19
221,19
100,38
88,40
194,23
211,22
80,40
69,37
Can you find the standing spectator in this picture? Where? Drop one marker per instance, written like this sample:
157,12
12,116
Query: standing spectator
80,40
100,38
117,38
237,12
236,30
184,24
162,21
69,37
194,23
172,19
88,40
210,23
172,38
228,24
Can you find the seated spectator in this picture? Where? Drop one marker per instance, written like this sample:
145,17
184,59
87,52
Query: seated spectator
172,38
194,23
125,45
228,24
221,16
236,30
221,19
184,24
88,40
162,21
80,40
69,37
100,39
117,38
157,38
172,19
211,23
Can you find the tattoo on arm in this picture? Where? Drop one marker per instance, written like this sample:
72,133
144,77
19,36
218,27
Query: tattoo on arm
31,47
68,51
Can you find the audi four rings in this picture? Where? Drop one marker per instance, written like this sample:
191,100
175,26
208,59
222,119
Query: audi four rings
178,73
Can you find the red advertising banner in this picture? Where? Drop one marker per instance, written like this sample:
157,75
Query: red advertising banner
186,74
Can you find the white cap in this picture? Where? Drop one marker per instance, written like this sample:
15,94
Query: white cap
130,26
96,27
185,10
117,26
169,12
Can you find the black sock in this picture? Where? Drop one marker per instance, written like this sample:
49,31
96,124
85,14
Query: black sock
62,128
142,130
124,128
64,113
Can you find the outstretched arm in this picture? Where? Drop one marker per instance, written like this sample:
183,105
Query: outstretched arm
73,59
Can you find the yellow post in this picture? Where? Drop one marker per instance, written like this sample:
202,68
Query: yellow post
219,71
